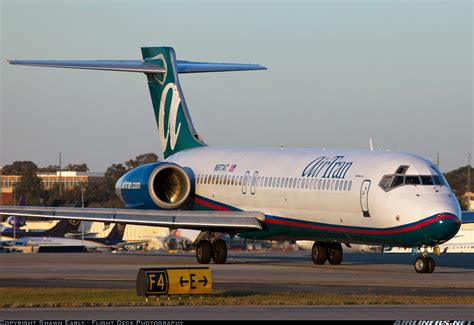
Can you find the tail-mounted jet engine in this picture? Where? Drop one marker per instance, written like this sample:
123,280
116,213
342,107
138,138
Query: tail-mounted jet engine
157,185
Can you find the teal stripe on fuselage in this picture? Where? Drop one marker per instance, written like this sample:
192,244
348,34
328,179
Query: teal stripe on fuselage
429,231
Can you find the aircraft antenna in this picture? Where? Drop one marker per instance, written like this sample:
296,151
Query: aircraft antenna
371,145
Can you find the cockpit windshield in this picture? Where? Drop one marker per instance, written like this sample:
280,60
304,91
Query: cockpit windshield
389,182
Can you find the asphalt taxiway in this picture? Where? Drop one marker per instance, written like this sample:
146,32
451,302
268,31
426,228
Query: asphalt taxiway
179,313
256,272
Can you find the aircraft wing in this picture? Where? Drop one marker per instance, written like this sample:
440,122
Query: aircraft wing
222,221
467,216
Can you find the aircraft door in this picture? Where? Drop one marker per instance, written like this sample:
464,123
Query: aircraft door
364,198
253,183
245,182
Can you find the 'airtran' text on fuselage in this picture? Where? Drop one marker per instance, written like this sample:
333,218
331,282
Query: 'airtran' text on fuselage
327,167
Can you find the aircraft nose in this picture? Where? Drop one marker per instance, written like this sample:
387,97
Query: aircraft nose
444,221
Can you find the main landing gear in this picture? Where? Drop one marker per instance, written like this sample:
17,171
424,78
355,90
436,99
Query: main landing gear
322,252
425,263
215,249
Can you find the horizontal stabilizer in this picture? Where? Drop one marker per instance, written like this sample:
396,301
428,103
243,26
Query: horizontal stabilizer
138,65
199,220
110,65
196,67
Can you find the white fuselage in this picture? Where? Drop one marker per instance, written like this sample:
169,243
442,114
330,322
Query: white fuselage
328,187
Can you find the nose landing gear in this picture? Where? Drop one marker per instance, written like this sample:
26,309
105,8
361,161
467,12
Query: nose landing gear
425,263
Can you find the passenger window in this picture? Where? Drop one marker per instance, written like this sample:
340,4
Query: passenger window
345,185
324,185
337,185
350,186
278,182
266,181
274,181
299,183
319,184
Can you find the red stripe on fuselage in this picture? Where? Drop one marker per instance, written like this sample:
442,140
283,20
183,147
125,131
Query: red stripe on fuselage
210,205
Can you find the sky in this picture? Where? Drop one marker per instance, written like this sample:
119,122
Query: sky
339,73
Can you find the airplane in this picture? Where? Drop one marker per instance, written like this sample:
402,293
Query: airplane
112,241
351,248
327,196
59,230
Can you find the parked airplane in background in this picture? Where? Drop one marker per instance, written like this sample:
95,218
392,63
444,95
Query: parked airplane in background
327,196
112,241
58,230
350,248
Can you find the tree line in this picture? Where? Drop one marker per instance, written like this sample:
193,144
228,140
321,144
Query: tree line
96,194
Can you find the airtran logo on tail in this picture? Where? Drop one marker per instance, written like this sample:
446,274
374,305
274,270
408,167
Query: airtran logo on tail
327,167
169,131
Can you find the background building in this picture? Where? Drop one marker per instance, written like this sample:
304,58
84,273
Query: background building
68,179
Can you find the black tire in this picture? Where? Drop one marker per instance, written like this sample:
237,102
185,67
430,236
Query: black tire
431,264
335,253
421,264
319,253
219,251
204,252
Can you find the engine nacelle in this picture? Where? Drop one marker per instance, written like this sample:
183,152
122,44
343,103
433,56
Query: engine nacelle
157,185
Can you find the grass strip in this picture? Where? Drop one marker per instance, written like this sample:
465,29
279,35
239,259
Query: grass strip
15,297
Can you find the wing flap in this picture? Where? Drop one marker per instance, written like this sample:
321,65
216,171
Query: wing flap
199,220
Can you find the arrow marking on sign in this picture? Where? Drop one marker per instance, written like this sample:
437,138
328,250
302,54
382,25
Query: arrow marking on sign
203,280
181,281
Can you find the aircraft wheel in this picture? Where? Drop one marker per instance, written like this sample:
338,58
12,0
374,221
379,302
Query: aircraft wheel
335,253
421,264
319,253
204,252
431,264
219,251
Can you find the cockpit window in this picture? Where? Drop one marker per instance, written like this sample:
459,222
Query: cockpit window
412,180
402,169
427,180
397,181
389,182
